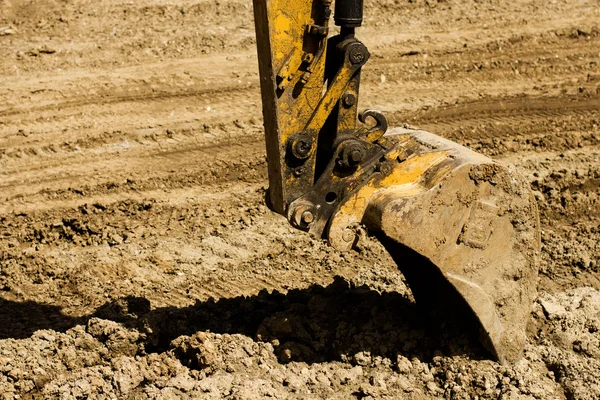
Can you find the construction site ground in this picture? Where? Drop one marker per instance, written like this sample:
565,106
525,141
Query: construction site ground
137,257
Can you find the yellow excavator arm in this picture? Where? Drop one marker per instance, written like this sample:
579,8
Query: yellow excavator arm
463,229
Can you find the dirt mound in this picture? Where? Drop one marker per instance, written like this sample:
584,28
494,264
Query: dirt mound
340,340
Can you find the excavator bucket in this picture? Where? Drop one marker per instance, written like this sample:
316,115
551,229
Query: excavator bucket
462,228
473,221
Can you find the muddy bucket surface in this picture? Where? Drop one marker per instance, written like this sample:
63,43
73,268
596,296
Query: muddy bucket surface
473,219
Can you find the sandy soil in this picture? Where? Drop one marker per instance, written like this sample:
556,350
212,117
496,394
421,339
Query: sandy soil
137,258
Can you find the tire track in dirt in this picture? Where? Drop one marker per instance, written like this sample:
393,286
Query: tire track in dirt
198,166
189,94
469,121
519,109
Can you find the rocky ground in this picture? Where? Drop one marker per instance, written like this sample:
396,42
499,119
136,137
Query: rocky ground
137,258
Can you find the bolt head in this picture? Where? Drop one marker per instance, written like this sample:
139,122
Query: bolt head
353,153
384,168
358,53
356,156
303,215
357,58
301,147
298,172
308,217
349,99
348,236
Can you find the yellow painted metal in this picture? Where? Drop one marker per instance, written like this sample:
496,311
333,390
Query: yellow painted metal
283,41
406,178
292,69
331,97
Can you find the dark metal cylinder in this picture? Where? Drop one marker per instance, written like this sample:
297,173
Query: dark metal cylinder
348,13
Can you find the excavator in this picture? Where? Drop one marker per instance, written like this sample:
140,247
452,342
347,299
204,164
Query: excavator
462,228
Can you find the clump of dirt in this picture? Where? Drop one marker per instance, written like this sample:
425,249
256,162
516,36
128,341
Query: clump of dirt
568,326
338,340
567,190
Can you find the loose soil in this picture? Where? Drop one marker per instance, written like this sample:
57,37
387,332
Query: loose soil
137,257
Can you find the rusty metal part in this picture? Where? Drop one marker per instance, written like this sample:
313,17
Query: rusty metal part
352,153
335,184
473,219
374,133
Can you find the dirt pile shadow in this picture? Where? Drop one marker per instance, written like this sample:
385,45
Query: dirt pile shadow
339,322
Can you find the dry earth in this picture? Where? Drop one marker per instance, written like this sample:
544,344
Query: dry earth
137,259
